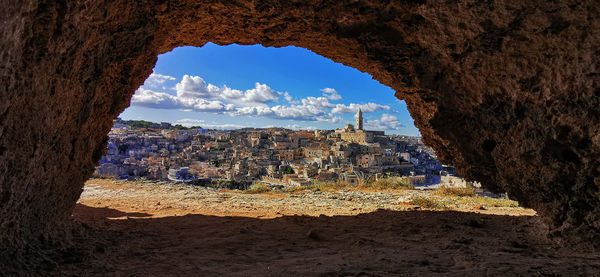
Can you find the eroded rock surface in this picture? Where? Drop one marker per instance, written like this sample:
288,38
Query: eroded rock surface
507,92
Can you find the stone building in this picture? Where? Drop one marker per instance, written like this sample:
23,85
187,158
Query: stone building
358,135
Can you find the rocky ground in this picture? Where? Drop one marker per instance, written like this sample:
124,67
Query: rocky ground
162,229
160,199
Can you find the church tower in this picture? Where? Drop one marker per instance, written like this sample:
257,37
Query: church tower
359,120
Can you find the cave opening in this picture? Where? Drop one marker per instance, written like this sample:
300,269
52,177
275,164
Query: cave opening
505,91
221,122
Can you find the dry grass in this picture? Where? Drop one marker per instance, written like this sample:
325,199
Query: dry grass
300,188
389,184
461,192
495,202
258,188
429,203
383,184
467,196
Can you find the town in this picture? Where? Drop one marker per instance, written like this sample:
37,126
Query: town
162,151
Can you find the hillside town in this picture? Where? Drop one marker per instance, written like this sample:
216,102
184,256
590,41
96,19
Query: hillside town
162,151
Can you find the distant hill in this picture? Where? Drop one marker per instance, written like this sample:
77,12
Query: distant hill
136,124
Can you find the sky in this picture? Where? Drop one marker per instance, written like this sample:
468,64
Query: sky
235,86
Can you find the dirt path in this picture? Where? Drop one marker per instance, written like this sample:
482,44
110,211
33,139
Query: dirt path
193,232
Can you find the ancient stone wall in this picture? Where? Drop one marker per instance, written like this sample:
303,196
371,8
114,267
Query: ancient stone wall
507,92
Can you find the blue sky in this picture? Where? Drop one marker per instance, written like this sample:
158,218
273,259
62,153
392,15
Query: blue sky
234,86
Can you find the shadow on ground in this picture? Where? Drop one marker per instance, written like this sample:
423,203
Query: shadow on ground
381,243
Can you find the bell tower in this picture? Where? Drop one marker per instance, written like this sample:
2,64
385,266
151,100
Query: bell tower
359,120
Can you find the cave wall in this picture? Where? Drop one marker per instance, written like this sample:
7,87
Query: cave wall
506,92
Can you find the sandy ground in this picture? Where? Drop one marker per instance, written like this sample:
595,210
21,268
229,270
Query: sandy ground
165,230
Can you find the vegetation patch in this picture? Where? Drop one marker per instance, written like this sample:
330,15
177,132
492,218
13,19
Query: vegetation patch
461,192
300,188
389,183
220,184
331,186
258,188
496,202
429,203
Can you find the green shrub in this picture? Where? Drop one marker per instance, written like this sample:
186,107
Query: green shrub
288,170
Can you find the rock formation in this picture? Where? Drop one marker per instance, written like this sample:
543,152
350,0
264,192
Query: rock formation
508,92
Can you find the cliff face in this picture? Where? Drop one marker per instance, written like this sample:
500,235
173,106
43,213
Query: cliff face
506,92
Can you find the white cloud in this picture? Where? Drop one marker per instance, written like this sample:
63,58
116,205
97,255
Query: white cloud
156,81
293,127
353,108
386,122
196,87
289,98
330,118
188,122
253,111
149,98
193,93
310,108
331,94
316,103
162,100
259,95
199,104
192,87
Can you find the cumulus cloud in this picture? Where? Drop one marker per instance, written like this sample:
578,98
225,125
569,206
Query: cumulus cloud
199,104
353,108
195,87
153,99
311,107
156,81
193,93
386,122
253,111
162,100
259,95
192,87
331,94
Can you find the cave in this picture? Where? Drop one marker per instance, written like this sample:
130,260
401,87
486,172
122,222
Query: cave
507,92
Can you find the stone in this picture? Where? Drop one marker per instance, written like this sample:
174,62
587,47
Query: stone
479,207
505,91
